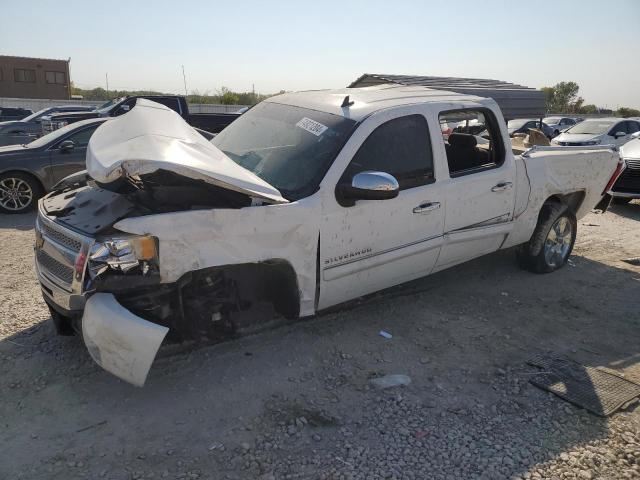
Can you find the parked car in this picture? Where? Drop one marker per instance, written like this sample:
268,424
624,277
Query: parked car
627,187
12,113
28,171
599,131
17,132
560,124
211,122
522,125
299,205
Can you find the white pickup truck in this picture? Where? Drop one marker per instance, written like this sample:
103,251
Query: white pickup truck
306,201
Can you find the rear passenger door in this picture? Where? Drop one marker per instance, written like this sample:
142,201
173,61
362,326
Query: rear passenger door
479,190
375,244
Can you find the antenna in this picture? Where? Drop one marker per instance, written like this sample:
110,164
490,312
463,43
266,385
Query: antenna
184,78
346,102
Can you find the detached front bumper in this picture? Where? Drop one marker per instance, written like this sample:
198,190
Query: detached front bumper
119,341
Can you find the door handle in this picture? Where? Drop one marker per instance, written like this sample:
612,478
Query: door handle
501,187
426,207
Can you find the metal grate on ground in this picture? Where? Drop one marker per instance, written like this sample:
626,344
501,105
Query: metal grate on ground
592,388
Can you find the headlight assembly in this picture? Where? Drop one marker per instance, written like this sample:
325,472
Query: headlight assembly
123,255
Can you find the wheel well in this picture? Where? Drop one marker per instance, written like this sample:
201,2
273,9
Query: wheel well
572,200
28,174
216,300
273,281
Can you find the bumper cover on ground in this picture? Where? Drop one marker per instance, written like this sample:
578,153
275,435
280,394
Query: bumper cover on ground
119,341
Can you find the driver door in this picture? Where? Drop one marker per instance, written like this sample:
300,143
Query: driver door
369,245
67,160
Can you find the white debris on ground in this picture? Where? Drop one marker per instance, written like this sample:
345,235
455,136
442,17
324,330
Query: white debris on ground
300,402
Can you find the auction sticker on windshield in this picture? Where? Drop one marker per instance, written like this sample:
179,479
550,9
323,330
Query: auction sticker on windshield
312,126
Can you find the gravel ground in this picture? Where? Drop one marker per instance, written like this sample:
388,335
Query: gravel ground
298,402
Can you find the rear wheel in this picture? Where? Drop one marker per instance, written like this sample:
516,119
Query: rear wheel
19,192
552,240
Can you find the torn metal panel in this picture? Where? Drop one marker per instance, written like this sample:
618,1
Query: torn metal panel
119,341
194,240
153,137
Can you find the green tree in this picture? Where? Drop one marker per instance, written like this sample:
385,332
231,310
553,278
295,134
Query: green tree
563,98
627,112
589,109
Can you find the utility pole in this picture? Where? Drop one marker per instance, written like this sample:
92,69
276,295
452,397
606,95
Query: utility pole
106,76
184,78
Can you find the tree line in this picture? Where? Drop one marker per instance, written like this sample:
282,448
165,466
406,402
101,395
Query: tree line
223,96
563,98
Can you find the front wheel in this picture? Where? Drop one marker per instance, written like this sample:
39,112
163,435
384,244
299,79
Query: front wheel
19,192
552,240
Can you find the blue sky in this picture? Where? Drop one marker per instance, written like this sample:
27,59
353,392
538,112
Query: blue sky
307,45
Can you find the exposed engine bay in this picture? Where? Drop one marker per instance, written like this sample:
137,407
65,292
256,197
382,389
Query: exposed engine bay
92,207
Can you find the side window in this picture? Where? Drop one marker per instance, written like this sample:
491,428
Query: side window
400,147
474,144
633,127
621,127
81,138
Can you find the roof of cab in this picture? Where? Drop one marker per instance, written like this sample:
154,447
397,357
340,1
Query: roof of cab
367,100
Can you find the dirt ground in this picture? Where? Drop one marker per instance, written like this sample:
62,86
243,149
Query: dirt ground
296,402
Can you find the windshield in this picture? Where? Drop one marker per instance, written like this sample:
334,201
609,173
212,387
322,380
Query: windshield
595,127
107,105
551,120
35,116
289,147
517,123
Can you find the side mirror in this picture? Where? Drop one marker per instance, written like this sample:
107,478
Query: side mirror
66,146
125,108
620,134
369,186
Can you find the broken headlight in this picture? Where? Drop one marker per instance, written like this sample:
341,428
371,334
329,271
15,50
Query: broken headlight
123,255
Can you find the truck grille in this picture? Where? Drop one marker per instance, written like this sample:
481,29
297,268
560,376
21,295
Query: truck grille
61,238
629,181
57,269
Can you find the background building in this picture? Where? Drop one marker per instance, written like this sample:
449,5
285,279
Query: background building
24,77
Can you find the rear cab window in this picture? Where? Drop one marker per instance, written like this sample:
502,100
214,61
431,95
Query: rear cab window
400,147
472,141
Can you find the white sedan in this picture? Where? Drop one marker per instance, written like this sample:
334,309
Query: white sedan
599,131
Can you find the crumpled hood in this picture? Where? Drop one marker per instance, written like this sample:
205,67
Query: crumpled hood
153,137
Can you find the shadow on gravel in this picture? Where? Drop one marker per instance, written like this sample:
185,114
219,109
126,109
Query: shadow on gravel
463,335
629,210
20,221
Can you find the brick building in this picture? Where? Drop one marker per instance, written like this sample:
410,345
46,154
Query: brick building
25,77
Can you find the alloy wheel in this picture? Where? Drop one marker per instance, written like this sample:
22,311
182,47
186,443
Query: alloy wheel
15,194
558,242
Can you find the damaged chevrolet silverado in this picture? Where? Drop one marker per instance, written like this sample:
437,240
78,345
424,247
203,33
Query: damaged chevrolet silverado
307,201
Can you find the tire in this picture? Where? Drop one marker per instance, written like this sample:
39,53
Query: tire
552,240
621,200
19,192
62,325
